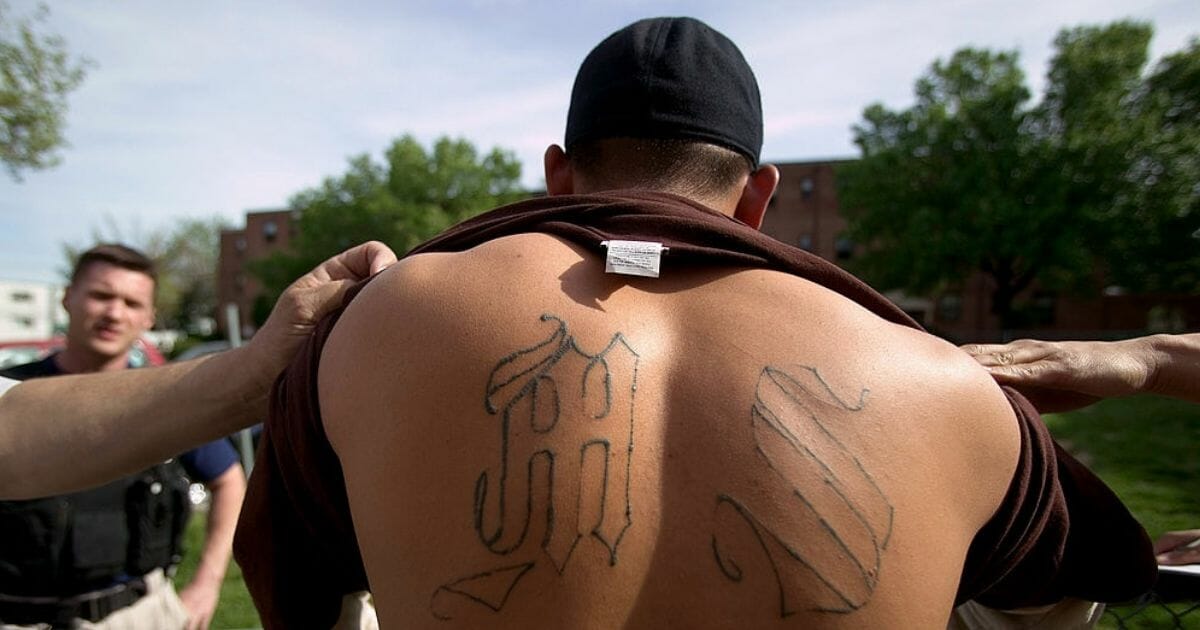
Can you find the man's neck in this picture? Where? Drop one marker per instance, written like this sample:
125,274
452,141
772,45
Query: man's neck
76,362
721,204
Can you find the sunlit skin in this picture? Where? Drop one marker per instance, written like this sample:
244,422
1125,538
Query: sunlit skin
109,308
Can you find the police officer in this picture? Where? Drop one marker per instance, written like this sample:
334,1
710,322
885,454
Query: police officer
140,417
99,558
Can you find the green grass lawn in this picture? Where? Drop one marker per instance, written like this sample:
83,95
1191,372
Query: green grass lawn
1146,448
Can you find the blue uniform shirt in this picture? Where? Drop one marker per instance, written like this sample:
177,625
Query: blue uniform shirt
209,461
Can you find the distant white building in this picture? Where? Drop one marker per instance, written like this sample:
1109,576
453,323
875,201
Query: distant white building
30,310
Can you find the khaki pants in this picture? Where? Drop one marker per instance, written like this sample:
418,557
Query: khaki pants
158,609
358,613
1069,614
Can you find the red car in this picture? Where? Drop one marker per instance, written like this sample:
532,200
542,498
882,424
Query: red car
17,352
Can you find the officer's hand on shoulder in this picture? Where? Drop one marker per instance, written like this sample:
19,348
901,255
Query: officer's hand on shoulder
315,295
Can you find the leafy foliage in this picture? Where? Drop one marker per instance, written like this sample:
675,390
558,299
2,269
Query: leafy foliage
1097,184
36,75
187,268
414,194
1164,202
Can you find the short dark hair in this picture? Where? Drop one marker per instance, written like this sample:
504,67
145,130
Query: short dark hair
682,166
117,255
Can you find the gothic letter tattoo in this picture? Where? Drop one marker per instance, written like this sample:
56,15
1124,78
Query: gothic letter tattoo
820,516
565,417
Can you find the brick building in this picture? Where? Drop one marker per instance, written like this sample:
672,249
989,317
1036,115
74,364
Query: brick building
805,212
265,232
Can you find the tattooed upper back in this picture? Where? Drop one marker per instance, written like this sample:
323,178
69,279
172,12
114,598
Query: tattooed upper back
530,442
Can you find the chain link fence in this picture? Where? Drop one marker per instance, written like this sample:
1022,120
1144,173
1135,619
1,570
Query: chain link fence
1174,603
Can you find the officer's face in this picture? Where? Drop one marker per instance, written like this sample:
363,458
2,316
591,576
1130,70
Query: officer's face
110,307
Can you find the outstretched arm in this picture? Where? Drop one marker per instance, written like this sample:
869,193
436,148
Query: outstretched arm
114,423
1064,375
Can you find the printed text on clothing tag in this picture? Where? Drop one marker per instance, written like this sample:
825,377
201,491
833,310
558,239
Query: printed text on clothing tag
633,258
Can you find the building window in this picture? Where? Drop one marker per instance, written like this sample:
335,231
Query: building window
270,231
21,296
949,307
23,322
805,242
844,248
806,187
240,244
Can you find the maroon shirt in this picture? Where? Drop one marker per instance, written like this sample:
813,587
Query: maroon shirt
1060,531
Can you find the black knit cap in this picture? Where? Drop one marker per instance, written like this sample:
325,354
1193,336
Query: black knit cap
667,78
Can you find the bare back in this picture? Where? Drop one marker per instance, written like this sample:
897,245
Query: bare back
529,442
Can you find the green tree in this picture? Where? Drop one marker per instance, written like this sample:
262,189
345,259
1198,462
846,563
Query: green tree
36,75
185,256
973,178
414,194
187,267
1164,205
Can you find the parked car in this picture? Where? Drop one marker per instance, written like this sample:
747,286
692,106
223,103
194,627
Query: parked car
24,351
18,352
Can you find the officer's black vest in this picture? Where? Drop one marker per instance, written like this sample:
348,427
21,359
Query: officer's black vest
74,543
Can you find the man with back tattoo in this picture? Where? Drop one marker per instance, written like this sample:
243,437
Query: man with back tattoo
620,405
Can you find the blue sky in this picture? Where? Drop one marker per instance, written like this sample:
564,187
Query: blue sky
219,107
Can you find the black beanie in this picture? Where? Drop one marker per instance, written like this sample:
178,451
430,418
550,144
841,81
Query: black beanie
667,78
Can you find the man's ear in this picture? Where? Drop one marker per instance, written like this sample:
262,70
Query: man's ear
560,179
752,205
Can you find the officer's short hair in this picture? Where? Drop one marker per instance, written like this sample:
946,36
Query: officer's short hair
117,255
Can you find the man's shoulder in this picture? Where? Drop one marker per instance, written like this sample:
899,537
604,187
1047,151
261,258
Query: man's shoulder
33,369
476,273
976,421
939,373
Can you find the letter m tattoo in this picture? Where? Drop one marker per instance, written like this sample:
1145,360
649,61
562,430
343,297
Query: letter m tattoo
563,415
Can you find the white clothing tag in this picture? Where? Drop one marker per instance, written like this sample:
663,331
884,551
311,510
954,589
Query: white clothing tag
633,258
